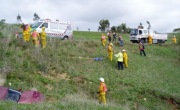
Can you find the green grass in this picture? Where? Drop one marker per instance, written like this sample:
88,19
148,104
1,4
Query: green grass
68,76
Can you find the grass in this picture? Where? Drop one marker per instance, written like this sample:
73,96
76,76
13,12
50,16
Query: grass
67,75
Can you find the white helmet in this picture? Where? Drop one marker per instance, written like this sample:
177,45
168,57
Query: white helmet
101,79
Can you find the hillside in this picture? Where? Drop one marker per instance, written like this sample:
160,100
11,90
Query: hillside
67,75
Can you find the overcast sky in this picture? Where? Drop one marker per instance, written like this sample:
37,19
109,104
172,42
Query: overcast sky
164,15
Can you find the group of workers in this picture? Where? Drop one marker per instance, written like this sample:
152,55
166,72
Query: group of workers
122,58
37,38
109,37
110,50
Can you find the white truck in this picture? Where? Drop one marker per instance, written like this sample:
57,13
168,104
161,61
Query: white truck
54,29
139,34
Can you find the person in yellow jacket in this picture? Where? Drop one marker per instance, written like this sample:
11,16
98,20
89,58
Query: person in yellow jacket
102,91
174,39
119,60
103,40
28,33
110,51
150,39
43,37
25,32
125,58
35,37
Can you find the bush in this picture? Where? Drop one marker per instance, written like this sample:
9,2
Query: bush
1,35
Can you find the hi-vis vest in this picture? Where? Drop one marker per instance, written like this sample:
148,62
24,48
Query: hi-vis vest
103,37
104,87
35,35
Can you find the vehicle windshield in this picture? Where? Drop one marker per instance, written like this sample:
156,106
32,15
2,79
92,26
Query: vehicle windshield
134,31
36,25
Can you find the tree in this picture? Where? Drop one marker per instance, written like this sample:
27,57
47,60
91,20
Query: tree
36,17
89,29
2,23
176,30
77,28
19,18
114,28
104,25
122,28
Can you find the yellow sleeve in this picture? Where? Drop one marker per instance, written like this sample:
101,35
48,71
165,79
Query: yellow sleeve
100,88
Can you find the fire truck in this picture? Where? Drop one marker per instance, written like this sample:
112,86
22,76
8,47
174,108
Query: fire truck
141,34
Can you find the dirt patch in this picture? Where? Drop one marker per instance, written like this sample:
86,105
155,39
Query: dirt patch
55,76
49,87
80,79
2,79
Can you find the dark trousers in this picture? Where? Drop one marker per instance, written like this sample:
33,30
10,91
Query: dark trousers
142,51
120,65
109,38
114,39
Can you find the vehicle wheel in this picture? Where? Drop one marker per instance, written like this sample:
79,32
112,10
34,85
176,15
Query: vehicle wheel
65,38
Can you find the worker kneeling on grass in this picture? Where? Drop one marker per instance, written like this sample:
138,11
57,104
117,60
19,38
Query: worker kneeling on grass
102,91
125,58
43,37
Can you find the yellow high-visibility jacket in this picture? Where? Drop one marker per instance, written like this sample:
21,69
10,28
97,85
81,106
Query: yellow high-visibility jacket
125,57
120,57
43,34
110,49
102,88
174,39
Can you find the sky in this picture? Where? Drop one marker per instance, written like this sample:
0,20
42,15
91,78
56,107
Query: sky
163,15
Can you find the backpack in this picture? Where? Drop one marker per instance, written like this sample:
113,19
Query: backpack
104,88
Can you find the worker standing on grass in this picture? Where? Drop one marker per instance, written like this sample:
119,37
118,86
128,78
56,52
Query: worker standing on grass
121,43
109,34
114,37
174,39
103,40
110,51
28,33
25,31
150,39
125,58
119,60
43,37
35,37
102,91
141,48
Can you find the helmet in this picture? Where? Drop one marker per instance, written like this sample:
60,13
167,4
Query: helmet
101,79
111,44
43,27
123,50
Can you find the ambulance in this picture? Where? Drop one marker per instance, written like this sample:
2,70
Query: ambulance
54,29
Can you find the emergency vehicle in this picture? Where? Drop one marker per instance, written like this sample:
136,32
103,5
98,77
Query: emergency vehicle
54,29
140,34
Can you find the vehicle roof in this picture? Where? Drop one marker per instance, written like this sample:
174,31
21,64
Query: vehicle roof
48,20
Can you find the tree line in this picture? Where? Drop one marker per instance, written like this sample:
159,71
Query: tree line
36,18
104,26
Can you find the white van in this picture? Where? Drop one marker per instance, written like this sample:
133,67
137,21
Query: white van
54,29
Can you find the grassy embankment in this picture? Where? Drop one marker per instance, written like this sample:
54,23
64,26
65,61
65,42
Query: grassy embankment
67,75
